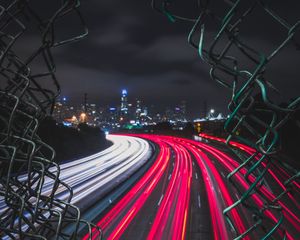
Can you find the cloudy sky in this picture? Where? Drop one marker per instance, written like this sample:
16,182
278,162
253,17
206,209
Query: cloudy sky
131,46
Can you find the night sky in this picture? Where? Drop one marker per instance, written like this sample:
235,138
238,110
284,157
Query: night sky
131,46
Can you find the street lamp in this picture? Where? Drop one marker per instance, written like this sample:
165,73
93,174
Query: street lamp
82,117
211,114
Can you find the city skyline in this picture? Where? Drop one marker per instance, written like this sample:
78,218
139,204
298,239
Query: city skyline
127,114
131,46
203,111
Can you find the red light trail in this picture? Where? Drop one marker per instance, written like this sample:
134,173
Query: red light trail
172,214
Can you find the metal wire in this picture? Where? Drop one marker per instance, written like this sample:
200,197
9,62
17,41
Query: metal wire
26,95
252,109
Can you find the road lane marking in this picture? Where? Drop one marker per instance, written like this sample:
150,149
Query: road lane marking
159,202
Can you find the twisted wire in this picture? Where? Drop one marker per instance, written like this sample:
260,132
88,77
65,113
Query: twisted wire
27,94
255,118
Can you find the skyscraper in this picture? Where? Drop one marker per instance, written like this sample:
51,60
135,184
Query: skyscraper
124,103
138,109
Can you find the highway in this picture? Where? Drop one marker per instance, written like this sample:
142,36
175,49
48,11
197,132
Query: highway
184,192
94,176
161,187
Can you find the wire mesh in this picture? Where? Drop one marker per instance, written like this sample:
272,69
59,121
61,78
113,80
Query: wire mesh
27,93
218,34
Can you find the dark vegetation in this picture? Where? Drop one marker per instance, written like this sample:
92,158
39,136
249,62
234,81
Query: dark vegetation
288,140
72,143
289,134
165,128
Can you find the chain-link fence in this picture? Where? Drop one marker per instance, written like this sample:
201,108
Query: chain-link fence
28,89
224,34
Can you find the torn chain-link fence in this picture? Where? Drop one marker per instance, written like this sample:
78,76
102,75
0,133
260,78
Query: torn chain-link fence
223,33
27,93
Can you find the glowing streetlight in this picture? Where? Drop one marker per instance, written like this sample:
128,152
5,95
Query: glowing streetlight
74,118
211,114
82,117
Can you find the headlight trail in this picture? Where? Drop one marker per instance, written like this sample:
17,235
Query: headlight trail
136,196
97,174
170,217
174,207
94,176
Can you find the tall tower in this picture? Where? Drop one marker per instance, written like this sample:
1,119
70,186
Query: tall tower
138,109
124,103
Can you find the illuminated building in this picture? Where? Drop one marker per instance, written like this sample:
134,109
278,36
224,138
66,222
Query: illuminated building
138,110
124,103
183,110
62,110
92,114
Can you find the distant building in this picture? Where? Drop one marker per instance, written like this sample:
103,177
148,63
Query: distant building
138,110
92,114
169,114
126,113
182,107
62,110
124,104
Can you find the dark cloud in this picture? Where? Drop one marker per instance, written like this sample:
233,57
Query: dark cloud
132,46
181,82
169,49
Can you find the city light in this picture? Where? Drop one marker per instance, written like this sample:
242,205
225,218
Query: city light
83,117
127,111
67,124
212,110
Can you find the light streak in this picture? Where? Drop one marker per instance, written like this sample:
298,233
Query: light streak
151,178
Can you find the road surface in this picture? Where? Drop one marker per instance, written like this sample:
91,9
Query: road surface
183,195
91,178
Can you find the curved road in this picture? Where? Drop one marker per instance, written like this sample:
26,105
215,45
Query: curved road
183,195
94,176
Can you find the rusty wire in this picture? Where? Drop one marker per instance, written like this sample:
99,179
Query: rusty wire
26,95
255,118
